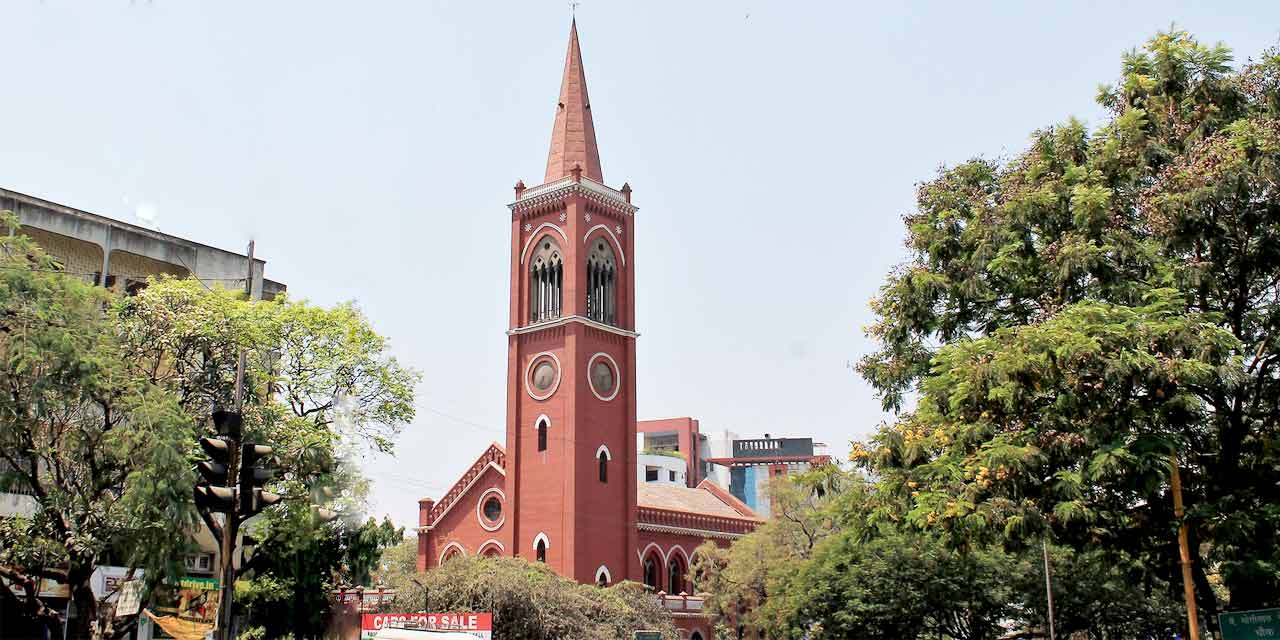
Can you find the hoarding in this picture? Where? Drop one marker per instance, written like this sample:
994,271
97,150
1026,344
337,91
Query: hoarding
479,625
1250,625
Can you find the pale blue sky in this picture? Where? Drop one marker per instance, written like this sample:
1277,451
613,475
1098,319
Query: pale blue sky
370,149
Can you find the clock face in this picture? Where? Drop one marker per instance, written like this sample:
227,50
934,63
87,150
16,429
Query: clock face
602,377
544,375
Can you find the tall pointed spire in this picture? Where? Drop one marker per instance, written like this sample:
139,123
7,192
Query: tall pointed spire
573,139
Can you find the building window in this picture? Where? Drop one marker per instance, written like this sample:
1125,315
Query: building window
650,474
546,281
602,275
671,476
542,435
541,550
492,509
604,467
675,575
651,579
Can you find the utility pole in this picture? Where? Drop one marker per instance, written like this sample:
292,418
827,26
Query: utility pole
231,519
1048,586
1188,586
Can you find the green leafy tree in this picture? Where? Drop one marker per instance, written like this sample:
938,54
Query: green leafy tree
1070,318
529,601
101,451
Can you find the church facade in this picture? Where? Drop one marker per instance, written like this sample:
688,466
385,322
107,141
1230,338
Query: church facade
563,488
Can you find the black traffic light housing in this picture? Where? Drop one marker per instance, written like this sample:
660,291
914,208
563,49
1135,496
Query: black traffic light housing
252,477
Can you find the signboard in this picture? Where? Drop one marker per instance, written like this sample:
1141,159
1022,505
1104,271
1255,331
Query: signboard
106,581
479,625
1250,625
648,635
130,598
192,599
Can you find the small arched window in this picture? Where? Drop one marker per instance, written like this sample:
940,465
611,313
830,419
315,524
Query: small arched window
541,550
652,578
675,574
546,281
604,467
542,435
602,277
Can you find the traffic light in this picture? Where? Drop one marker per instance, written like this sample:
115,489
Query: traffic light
228,423
252,477
213,493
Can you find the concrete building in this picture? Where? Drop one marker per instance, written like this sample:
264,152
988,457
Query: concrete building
110,252
566,488
113,253
756,461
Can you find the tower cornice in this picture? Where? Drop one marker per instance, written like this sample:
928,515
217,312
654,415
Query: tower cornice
560,322
557,190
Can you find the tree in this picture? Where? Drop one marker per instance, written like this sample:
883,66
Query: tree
529,601
1072,317
100,449
319,384
298,563
105,396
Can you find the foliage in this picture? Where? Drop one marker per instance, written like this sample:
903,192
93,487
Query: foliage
100,449
531,602
821,570
298,563
106,395
397,563
1070,318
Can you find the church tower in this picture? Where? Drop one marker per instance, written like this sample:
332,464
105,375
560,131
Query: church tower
571,396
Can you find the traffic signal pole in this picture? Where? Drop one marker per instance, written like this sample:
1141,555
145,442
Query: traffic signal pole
231,519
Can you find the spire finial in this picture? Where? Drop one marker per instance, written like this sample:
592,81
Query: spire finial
573,9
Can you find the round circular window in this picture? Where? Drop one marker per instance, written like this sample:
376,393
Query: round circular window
542,376
602,373
492,509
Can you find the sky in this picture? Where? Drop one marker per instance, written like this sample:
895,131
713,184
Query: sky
370,149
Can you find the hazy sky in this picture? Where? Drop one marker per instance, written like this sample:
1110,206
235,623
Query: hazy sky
371,148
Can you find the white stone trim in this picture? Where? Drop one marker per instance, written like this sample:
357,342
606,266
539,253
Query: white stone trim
617,376
533,235
554,384
621,253
682,553
644,552
542,535
490,543
491,465
608,577
701,533
607,455
557,189
484,523
566,320
444,553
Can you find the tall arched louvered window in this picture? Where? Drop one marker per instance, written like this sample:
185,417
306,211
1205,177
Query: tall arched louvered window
602,283
546,281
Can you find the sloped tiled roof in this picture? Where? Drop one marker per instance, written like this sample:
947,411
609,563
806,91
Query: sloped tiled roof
678,498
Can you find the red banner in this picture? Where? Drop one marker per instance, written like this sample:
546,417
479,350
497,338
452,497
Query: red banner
479,625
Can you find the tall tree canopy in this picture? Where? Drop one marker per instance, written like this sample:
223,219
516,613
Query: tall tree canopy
1071,317
105,396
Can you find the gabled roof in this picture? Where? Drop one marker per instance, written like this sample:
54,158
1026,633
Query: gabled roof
707,499
494,457
573,138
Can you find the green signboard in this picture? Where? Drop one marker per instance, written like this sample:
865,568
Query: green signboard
1250,625
648,635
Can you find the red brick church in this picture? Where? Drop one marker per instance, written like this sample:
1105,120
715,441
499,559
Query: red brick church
564,489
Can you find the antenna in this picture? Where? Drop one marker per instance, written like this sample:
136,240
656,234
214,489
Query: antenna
573,8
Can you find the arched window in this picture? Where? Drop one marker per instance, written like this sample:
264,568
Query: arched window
652,572
675,574
546,281
602,576
602,456
602,276
541,550
542,435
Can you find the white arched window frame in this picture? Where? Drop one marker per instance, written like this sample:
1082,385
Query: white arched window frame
546,280
603,577
541,544
603,458
449,551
